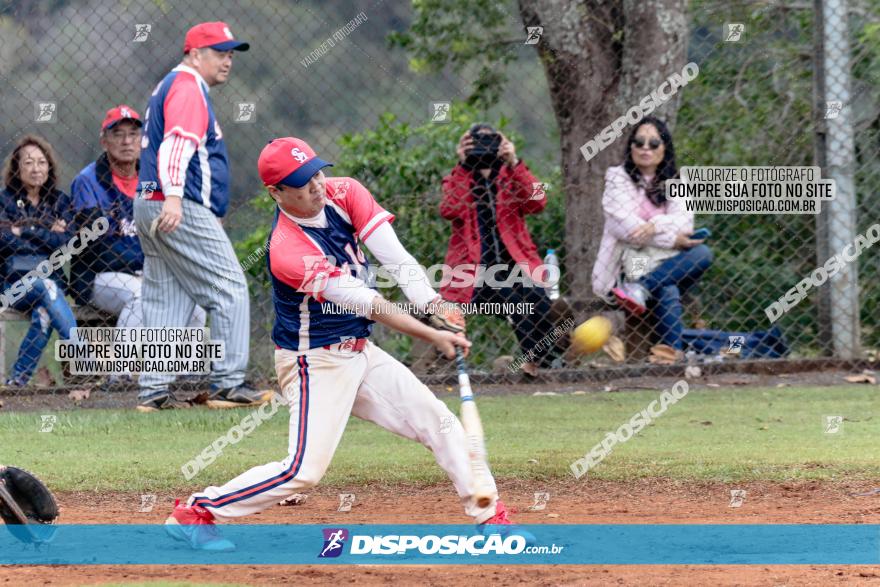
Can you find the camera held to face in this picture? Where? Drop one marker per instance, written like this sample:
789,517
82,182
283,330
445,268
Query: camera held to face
484,152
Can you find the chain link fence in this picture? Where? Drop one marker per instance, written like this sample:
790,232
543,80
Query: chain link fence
387,90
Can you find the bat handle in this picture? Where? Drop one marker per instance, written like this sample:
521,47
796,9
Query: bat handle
459,361
464,382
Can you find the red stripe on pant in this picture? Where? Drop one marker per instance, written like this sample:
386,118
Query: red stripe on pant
293,469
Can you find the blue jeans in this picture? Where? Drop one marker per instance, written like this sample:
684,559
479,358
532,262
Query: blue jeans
666,283
48,309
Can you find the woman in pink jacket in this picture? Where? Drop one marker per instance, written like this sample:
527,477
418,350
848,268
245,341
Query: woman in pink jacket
647,257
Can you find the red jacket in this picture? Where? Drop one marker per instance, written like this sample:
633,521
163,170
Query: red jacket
515,198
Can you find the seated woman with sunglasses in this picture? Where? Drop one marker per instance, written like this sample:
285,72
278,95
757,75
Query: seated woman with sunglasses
33,224
647,257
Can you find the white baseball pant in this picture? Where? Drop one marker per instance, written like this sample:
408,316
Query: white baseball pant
323,388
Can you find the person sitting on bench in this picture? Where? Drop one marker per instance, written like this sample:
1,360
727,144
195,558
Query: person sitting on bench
36,224
647,257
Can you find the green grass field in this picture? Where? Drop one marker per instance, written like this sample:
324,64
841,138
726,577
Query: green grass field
710,435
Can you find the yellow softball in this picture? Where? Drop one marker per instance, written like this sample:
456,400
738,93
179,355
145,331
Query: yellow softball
590,336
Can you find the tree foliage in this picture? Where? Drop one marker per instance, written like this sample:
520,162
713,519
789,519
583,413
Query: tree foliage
463,34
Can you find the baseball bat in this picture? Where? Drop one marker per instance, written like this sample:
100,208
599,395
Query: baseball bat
473,430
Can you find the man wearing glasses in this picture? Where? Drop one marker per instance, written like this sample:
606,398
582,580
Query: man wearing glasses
108,273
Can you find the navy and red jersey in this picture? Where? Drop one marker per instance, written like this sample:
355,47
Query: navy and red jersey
180,108
302,258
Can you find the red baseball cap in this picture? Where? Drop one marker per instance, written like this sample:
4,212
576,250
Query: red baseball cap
119,113
215,35
289,161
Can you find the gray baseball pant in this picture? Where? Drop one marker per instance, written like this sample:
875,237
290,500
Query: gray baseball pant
195,264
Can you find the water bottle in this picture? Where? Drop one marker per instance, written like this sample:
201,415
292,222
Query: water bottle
551,260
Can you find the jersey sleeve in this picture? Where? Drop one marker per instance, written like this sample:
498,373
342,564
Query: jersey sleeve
186,125
364,211
299,263
402,266
185,109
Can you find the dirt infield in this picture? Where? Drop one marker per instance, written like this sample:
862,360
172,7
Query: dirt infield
571,502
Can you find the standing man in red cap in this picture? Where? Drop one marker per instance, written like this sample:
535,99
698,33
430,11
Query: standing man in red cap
184,190
108,274
326,366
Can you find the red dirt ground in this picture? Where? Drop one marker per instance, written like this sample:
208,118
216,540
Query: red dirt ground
571,502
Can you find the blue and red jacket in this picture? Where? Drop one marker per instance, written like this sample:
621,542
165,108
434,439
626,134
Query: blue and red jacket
182,149
119,250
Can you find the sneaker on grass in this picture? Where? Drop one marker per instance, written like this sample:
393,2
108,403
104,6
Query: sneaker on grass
237,397
160,400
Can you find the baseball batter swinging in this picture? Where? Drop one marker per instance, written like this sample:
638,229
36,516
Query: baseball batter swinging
326,366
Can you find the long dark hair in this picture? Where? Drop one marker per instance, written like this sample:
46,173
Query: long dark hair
12,171
667,169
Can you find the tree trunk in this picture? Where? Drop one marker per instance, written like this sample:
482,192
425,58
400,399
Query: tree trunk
601,58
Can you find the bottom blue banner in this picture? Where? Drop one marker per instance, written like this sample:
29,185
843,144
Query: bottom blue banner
441,544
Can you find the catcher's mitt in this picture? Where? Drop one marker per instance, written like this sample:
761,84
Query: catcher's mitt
26,505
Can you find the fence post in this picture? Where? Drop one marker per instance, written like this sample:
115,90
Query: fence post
823,249
2,351
837,157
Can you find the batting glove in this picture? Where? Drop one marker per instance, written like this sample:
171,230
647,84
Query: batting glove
445,315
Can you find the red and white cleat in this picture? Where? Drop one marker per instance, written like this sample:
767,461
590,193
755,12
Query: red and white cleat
195,525
501,524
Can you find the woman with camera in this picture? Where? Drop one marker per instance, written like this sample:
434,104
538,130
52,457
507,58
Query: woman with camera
36,217
486,197
649,253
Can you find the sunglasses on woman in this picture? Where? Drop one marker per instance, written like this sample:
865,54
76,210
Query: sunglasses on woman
653,144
